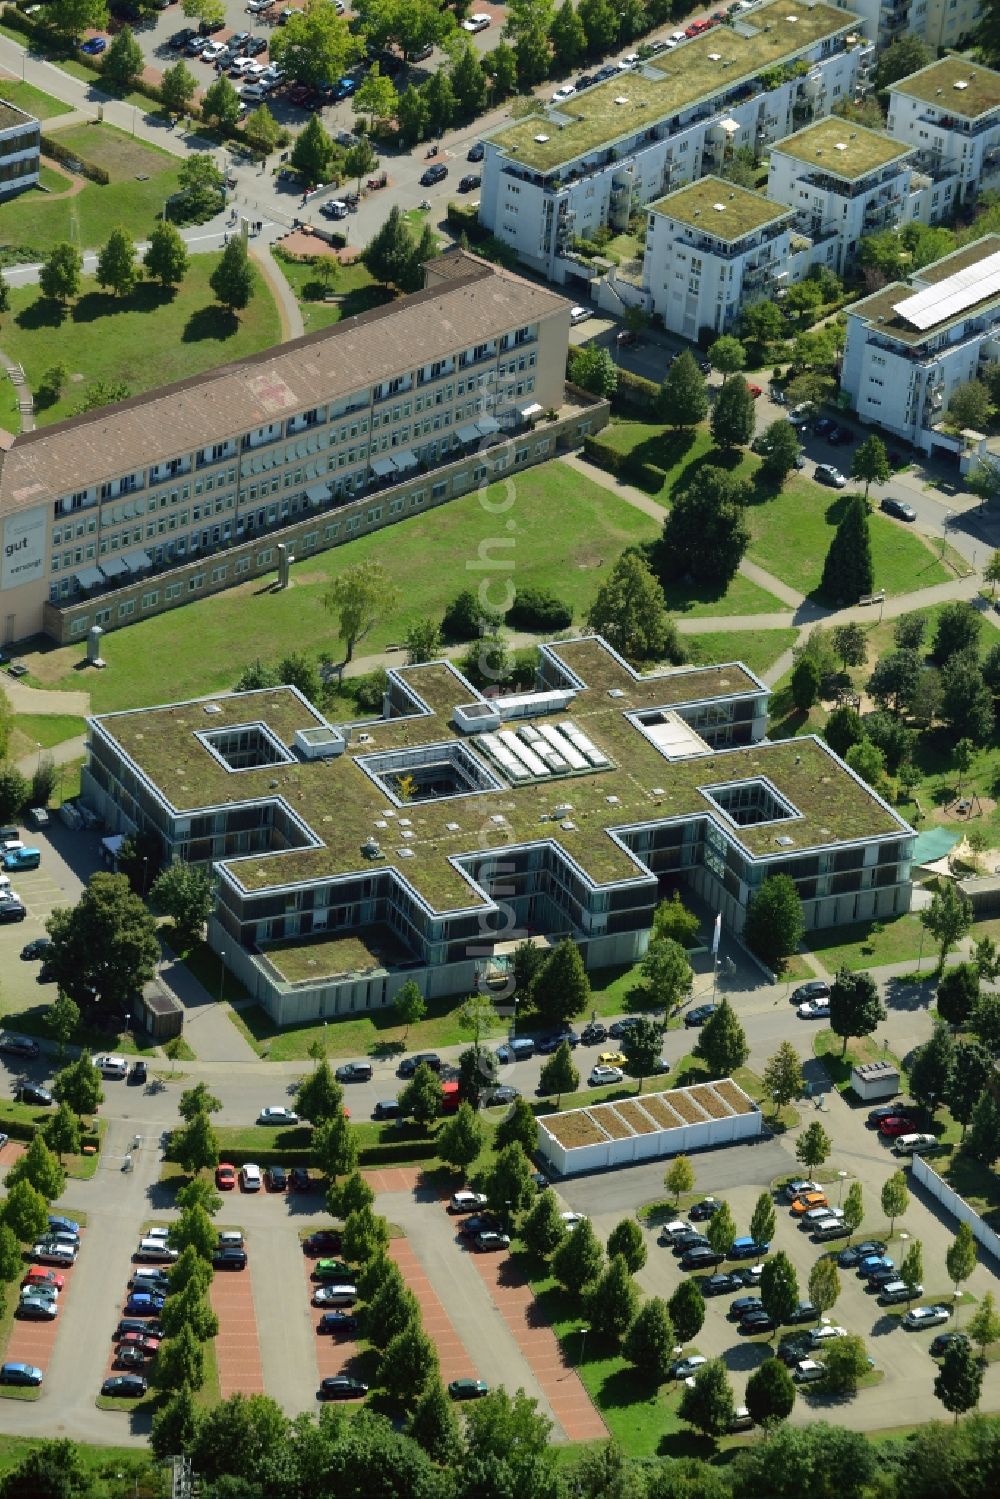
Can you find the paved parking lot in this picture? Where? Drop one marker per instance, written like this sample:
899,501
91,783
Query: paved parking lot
34,1342
456,1360
237,1350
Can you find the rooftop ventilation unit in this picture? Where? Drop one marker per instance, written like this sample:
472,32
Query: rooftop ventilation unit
960,83
615,692
404,853
563,810
320,743
212,708
623,98
541,139
371,848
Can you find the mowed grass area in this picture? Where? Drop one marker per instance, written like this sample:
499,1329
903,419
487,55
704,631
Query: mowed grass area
758,649
856,947
10,412
146,339
25,96
354,289
202,647
31,224
42,731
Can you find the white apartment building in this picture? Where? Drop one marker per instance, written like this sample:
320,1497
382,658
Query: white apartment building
599,156
950,113
711,248
843,182
911,344
939,23
20,147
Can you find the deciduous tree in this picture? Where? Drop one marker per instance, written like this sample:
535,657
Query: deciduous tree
116,268
959,1381
181,1362
409,1006
728,356
708,1403
25,1212
855,1006
62,1132
824,1284
561,989
625,1239
813,1146
774,921
123,61
434,1425
870,463
178,87
233,279
679,1177
854,1207
222,103
166,261
334,1147
642,1046
733,415
770,1394
846,1362
543,1230
579,1261
984,1325
319,1096
359,597
105,943
649,1342
630,612
612,1303
971,1072
62,1018
763,1220
196,1147
509,1184
930,1067
41,1168
895,1198
559,1075
779,1287
519,1128
315,45
682,400
461,1138
721,1230
420,1100
722,1043
782,1076
687,1311
365,1236
79,1085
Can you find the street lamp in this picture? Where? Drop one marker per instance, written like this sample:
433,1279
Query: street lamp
583,1330
222,976
840,1195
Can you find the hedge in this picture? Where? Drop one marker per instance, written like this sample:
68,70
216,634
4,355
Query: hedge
635,394
626,466
58,152
397,1155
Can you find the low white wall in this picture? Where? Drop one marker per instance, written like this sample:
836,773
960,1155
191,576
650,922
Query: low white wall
957,1206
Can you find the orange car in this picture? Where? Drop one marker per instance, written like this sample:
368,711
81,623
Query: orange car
810,1200
225,1176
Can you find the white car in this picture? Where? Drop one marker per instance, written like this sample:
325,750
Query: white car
256,7
212,51
579,315
255,93
676,37
566,92
157,1232
820,1215
466,1201
798,1186
572,1220
240,67
674,1227
910,1144
808,1371
604,1074
814,1009
926,1316
477,22
821,1335
277,1116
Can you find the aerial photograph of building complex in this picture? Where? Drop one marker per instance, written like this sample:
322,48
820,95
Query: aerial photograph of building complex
499,749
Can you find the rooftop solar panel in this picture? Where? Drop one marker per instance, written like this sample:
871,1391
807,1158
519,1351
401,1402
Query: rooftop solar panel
947,298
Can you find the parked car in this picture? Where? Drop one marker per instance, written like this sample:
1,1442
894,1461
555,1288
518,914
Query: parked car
276,1178
130,1358
850,1258
882,1277
806,993
125,1386
743,1306
602,1074
827,473
793,1347
225,1176
591,1035
705,1209
803,1312
798,1186
830,1228
746,1248
36,948
915,1144
476,152
23,1374
566,91
689,1239
685,1367
479,1223
38,1277
808,1200
699,1014
94,45
38,1308
229,1257
885,1111
341,1387
434,174
490,1242
814,1009
552,1042
181,38
700,1259
895,1125
354,1072
926,1316
468,1389
721,1285
34,1093
250,1178
12,910
808,1371
332,1270
144,1304
826,1334
53,1254
939,1346
757,1322
897,508
137,1073
872,1262
409,1065
299,1179
498,1096
277,1115
465,1201
896,1291
337,1324
323,1241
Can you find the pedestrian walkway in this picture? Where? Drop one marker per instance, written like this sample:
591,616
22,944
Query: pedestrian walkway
289,310
25,402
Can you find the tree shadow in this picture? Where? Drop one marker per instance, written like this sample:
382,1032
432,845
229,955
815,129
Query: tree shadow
686,1443
44,312
211,322
146,296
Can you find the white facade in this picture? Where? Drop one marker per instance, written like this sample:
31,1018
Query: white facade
950,114
702,265
20,148
901,376
939,23
538,204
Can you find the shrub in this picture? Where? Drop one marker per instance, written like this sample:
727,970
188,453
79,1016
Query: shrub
533,609
58,152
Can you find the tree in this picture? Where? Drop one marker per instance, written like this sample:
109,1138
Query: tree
468,82
365,1235
527,25
722,1043
233,279
315,45
412,116
50,1470
679,1177
500,66
854,1208
649,1342
319,1097
813,1146
391,1310
708,1403
969,406
543,1230
851,644
185,892
188,1308
906,55
959,1381
983,1142
59,277
510,1185
630,612
192,1265
434,1425
805,683
868,763
966,701
779,1287
870,463
579,1261
389,256
439,96
626,1240
733,415
123,61
613,1301
166,261
770,1394
62,1018
781,447
848,572
25,1212
79,1086
824,1284
600,24
559,1074
642,1046
687,1311
855,1006
706,534
762,323
335,1147
261,130
667,973
728,356
984,1324
673,920
39,1167
420,1100
423,642
196,1147
116,262
178,87
721,1229
105,943
947,918
347,1196
846,1361
409,1006
895,1198
682,401
222,103
561,989
519,1128
202,183
197,1100
782,1076
194,1228
360,596
895,678
971,1073
985,1020
62,1132
461,1138
313,152
408,1365
774,922
376,96
594,369
959,627
763,1220
931,1066
180,1362
961,1256
500,1425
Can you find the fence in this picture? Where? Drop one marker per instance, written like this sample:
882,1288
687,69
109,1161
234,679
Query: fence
957,1206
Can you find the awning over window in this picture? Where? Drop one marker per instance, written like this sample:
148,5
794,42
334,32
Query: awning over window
487,425
113,567
469,433
318,494
89,577
138,562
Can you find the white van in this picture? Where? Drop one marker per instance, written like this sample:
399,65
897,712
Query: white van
476,23
111,1066
911,1144
154,1250
250,1178
898,1290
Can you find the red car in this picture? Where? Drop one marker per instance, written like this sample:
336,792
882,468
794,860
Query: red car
225,1177
691,30
755,391
896,1126
147,1341
39,1276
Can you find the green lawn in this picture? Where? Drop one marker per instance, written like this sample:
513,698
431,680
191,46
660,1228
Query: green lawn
854,947
353,288
146,339
26,96
201,648
740,597
758,649
838,1063
43,731
10,412
649,442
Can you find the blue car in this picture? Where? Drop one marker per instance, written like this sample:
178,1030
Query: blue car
143,1304
345,87
747,1249
873,1262
60,1225
94,46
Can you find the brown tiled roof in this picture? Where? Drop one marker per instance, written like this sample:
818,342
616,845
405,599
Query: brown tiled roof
473,301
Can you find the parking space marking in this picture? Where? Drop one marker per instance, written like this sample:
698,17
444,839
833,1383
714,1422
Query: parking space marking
333,1355
454,1359
33,1342
571,1405
393,1178
237,1348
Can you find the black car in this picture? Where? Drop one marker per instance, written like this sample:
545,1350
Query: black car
899,508
33,1093
806,993
553,1041
230,1257
337,1323
501,1095
341,1387
944,1340
299,1179
681,1243
181,38
12,910
721,1285
354,1072
409,1065
851,1257
838,435
148,1325
882,1277
593,1034
480,1223
137,1073
584,81
888,1111
125,1386
476,152
387,1108
255,46
324,1241
699,1014
620,1028
804,1312
469,182
757,1322
276,1178
700,1259
434,174
744,1306
19,1046
130,1358
794,1348
823,426
705,1209
36,948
